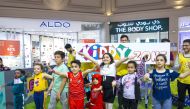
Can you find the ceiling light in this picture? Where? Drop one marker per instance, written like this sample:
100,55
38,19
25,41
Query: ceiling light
178,7
179,2
108,14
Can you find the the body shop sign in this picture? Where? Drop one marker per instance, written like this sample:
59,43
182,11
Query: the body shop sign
140,26
9,48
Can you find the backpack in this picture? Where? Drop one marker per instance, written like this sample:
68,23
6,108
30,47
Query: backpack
137,88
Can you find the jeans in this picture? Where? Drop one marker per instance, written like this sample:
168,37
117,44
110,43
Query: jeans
165,104
39,99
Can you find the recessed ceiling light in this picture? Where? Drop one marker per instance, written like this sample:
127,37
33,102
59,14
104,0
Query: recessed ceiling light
178,7
108,13
179,2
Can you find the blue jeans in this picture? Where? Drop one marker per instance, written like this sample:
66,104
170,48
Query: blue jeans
166,104
39,99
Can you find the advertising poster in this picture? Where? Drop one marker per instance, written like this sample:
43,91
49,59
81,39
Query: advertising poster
9,48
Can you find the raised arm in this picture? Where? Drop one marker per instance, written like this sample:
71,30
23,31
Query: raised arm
118,63
47,76
59,73
56,72
89,58
88,71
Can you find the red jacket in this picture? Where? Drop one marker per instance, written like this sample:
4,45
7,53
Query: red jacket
96,98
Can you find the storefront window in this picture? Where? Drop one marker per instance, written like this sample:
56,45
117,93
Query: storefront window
38,39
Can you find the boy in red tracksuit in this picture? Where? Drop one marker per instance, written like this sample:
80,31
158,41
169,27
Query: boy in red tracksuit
96,96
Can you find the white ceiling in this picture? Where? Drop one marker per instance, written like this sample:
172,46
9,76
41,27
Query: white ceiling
94,6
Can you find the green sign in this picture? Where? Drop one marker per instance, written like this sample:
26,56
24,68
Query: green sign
2,92
140,26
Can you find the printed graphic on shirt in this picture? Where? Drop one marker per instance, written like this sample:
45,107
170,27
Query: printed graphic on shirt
94,94
161,81
17,81
128,81
37,82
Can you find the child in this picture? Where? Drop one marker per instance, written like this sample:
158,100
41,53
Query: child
71,55
18,88
161,83
76,84
96,96
130,87
39,85
87,85
2,67
57,87
108,71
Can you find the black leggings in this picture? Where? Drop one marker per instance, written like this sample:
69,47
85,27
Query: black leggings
182,93
130,103
109,91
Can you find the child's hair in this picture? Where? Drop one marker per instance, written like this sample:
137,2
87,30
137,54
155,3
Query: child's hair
67,46
76,62
111,58
162,55
21,71
134,63
41,66
186,40
61,53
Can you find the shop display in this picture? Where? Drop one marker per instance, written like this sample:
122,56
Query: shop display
46,49
27,51
35,49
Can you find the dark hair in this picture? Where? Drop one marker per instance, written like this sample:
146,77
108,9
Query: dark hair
186,41
68,46
162,55
1,59
41,66
21,71
165,40
122,36
111,58
76,62
61,53
134,63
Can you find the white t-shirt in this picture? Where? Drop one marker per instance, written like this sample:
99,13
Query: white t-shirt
128,82
108,70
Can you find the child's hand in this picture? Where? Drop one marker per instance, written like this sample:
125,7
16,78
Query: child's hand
146,77
113,83
80,53
145,58
58,96
95,90
92,104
